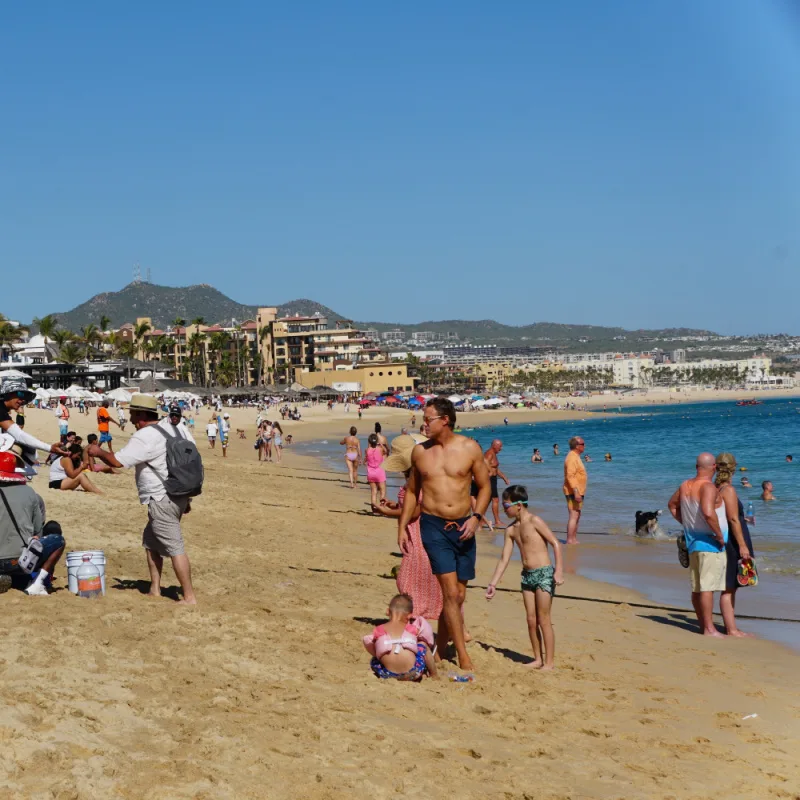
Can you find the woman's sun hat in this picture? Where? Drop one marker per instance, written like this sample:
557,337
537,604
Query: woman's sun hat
18,387
399,459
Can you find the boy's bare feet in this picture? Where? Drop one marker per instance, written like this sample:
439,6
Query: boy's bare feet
535,664
548,668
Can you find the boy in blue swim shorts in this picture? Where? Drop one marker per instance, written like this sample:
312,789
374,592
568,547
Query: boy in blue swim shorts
539,578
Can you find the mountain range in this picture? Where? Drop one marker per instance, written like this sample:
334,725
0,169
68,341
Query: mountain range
163,304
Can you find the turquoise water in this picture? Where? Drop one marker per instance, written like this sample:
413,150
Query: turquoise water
653,450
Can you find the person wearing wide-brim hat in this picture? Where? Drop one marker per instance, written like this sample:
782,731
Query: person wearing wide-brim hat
414,577
28,512
147,451
14,394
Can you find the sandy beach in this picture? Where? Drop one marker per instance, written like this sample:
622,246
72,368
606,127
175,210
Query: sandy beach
263,690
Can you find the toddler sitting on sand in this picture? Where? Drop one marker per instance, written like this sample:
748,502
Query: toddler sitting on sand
401,647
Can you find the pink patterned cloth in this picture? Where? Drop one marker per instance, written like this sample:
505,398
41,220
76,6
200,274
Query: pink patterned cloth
414,577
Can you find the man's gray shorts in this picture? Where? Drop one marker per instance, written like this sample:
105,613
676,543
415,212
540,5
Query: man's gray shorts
162,534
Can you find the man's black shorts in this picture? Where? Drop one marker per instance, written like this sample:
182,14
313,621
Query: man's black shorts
492,482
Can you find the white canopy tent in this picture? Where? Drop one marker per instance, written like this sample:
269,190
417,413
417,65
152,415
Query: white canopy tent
8,374
120,395
42,394
493,401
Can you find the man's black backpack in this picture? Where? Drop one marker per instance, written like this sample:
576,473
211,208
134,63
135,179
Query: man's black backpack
184,465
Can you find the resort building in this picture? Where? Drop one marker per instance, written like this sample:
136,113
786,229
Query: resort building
379,376
266,350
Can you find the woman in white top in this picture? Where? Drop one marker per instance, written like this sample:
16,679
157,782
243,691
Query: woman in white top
211,432
266,438
277,440
67,473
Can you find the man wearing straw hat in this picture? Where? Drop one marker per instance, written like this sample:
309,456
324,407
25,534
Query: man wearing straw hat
147,451
22,519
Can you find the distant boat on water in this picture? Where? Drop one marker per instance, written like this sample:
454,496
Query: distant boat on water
752,402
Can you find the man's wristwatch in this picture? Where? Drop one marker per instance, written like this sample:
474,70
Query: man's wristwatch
479,516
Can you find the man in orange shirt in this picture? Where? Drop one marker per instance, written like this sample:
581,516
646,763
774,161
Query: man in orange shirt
574,486
103,418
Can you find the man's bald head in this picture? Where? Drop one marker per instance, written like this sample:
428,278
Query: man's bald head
497,445
706,463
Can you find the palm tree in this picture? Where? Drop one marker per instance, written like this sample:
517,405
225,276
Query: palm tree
140,331
179,322
195,345
47,326
62,337
70,353
226,370
89,337
8,333
104,323
217,344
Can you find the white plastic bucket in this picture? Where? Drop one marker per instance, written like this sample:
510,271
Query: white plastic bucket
74,560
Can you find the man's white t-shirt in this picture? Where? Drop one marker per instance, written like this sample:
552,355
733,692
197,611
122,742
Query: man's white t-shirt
211,430
147,451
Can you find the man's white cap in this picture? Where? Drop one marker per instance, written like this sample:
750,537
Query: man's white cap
226,416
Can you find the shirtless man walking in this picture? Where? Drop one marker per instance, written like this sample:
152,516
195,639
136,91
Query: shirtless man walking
442,468
493,465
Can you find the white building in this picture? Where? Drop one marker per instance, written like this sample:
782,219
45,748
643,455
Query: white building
422,355
634,371
394,336
33,351
423,337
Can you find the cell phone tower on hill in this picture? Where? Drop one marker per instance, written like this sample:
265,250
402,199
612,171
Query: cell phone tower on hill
137,274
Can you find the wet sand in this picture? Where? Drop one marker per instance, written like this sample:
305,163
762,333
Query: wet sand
264,690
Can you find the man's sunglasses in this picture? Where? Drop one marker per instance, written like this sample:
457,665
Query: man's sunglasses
506,506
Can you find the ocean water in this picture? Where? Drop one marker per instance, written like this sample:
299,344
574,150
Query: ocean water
653,449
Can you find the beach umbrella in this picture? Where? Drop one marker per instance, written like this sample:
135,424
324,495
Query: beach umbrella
42,394
476,397
494,401
120,395
13,373
455,398
479,403
391,400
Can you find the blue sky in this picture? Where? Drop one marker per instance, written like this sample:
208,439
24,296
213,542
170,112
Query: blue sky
620,162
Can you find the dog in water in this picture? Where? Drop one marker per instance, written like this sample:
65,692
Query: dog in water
647,522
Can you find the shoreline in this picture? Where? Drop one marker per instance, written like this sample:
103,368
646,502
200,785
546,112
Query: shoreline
654,585
265,682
